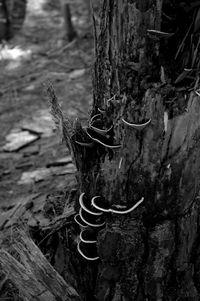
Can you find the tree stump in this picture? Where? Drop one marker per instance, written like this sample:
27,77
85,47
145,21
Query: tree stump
138,158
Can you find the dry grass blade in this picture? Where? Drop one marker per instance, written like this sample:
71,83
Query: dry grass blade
182,76
195,53
64,124
55,107
184,39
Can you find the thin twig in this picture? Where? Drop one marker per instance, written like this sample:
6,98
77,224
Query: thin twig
60,50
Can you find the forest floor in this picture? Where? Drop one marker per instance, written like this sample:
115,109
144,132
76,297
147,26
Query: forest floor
37,54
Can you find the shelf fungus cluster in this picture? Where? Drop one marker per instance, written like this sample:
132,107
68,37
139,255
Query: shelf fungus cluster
96,132
98,203
91,219
92,212
137,126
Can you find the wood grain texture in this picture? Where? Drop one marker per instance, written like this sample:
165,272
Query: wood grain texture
32,274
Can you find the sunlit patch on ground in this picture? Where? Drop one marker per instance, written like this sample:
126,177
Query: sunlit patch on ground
14,56
14,53
36,6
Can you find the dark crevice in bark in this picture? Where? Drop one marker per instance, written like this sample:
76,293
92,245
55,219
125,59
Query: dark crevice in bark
181,19
141,272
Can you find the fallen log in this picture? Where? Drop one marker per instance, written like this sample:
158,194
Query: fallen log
31,273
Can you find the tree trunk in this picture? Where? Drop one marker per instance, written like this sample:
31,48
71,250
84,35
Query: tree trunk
69,31
146,93
12,15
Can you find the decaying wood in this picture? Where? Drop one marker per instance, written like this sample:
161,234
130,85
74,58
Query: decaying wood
142,72
59,221
21,214
32,274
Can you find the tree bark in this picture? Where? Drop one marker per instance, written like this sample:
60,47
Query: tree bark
146,91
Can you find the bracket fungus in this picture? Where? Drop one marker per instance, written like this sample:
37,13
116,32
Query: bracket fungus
85,203
94,117
88,236
137,126
90,217
102,141
88,251
90,220
97,203
102,111
85,144
98,126
79,221
103,132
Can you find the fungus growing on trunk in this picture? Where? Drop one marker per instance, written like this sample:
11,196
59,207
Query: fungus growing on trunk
88,236
91,220
79,221
137,126
88,251
98,204
105,142
85,203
